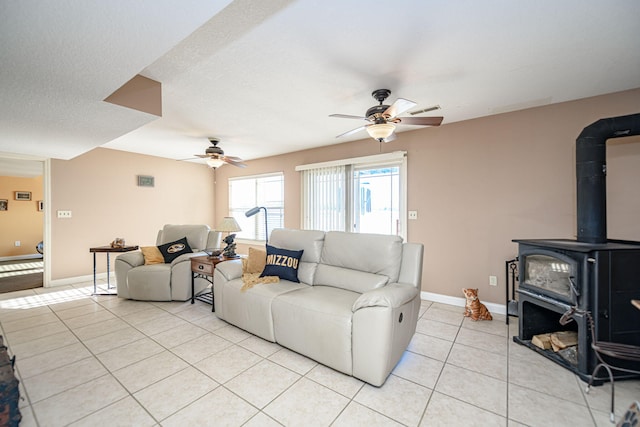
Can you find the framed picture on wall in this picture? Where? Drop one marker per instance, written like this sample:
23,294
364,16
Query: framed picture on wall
23,195
40,205
4,205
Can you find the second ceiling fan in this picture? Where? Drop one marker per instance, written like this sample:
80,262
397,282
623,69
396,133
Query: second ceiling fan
383,118
216,158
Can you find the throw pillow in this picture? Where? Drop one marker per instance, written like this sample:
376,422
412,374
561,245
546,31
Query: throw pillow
173,250
282,263
152,255
256,261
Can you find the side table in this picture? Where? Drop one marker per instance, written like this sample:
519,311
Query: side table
203,267
108,250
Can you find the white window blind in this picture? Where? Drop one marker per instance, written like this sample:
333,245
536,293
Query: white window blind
260,190
363,194
324,198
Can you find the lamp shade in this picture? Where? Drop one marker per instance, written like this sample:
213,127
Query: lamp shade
214,163
380,131
229,225
253,211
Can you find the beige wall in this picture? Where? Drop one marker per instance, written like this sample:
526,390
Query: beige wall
100,188
481,183
22,221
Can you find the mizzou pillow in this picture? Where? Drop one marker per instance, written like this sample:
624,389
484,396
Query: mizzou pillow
282,263
173,250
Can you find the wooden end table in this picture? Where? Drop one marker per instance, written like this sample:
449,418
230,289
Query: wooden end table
107,250
203,267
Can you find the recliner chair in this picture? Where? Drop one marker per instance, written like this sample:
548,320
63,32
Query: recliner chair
166,281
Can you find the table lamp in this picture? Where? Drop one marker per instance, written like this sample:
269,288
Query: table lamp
230,226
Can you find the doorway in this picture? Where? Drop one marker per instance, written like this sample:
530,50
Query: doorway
22,223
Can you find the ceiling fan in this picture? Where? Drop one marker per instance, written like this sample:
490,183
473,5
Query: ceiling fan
383,118
216,158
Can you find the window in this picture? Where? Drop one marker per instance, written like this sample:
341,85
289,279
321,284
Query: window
260,190
364,195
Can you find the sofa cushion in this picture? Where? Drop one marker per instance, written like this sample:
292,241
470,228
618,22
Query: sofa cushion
152,255
351,280
310,241
250,309
150,282
371,253
282,263
197,235
173,250
316,320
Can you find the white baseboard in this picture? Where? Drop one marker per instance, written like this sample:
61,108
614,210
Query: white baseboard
15,257
460,302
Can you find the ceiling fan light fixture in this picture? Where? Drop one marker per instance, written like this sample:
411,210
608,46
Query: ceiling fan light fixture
380,131
215,163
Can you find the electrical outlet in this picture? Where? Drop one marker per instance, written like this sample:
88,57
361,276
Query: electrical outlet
493,281
64,214
17,243
413,214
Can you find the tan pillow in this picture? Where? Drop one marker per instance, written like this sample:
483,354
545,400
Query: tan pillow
152,255
256,261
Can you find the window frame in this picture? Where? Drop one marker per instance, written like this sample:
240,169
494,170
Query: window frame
396,158
257,220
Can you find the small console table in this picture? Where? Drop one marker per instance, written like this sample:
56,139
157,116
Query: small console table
107,250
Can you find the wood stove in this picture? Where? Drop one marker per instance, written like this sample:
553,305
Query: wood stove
557,274
591,273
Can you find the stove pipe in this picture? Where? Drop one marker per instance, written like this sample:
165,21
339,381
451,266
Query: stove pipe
591,172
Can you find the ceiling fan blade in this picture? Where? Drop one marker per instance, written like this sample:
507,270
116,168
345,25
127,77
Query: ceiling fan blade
420,121
398,107
390,137
235,159
233,162
203,156
352,131
347,116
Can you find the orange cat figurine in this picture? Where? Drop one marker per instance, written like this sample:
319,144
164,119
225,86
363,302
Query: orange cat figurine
474,308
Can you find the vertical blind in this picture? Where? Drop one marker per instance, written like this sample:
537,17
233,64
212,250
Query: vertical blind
324,198
328,187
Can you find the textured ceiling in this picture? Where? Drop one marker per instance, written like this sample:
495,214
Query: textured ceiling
264,76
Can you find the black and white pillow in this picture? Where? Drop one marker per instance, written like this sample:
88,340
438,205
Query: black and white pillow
173,250
282,263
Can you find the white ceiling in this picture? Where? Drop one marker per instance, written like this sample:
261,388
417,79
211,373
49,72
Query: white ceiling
263,76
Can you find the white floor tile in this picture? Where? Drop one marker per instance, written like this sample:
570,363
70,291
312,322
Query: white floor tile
292,408
399,399
175,392
87,360
218,408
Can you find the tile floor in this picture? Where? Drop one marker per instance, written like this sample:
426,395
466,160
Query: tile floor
104,361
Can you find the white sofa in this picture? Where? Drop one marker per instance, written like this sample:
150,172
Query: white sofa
354,310
165,282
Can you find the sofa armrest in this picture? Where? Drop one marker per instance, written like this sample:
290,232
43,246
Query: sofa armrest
230,270
125,262
133,258
393,295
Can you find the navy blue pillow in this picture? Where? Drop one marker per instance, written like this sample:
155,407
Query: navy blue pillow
282,263
173,250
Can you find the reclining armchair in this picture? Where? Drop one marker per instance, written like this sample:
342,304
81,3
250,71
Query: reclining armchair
165,281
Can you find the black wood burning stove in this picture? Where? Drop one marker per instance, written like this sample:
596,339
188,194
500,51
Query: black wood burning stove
602,278
591,273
